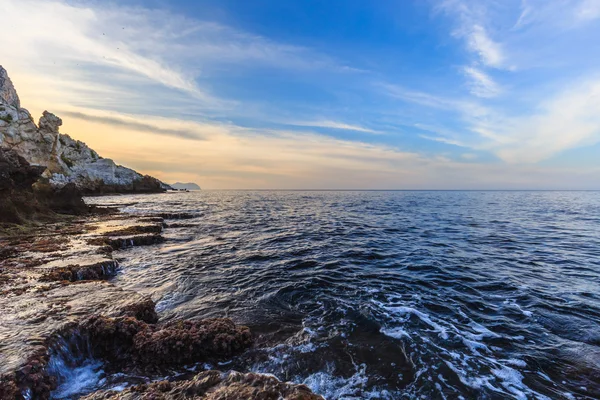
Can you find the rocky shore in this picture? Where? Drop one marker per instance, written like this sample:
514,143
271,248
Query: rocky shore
55,288
56,261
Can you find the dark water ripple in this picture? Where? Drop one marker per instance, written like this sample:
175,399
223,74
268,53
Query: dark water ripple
391,294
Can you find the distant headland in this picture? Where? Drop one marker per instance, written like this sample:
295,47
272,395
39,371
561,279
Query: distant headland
185,186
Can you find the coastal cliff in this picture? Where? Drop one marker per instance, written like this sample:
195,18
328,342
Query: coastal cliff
66,160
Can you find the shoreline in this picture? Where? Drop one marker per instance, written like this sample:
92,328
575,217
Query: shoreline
55,287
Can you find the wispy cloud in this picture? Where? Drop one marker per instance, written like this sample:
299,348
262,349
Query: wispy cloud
481,84
415,96
569,119
237,157
522,88
588,10
489,51
471,26
333,125
134,124
74,44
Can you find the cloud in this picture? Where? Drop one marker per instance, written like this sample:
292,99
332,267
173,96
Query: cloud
333,125
588,10
130,123
488,51
566,119
471,18
125,74
104,51
417,97
481,85
239,158
60,33
569,119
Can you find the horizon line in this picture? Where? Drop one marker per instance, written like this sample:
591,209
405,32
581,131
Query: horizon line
401,190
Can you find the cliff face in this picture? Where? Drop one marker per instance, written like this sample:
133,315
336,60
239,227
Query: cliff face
66,160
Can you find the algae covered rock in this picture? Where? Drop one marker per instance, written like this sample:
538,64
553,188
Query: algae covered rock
214,385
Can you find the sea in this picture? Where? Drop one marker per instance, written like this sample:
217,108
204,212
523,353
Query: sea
381,294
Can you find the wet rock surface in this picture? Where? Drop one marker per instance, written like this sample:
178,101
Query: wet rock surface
30,321
213,385
54,288
51,279
56,299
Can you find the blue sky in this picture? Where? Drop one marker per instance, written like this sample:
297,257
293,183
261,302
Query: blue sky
322,94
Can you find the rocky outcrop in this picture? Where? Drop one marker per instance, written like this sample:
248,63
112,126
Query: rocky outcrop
214,385
139,345
67,161
23,198
7,90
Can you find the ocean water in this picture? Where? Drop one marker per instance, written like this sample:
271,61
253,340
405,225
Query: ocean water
387,295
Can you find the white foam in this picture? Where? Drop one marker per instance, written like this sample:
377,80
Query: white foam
352,388
79,379
512,380
396,333
401,310
516,362
514,304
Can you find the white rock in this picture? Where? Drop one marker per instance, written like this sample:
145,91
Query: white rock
67,160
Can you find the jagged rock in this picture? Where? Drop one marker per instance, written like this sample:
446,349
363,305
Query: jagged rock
8,94
49,123
67,161
214,385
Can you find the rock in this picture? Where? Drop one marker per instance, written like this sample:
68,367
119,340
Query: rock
73,273
67,161
8,94
29,323
181,215
49,123
214,385
24,198
16,173
63,200
146,346
18,202
53,294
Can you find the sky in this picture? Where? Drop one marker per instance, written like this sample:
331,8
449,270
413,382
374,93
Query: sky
307,94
